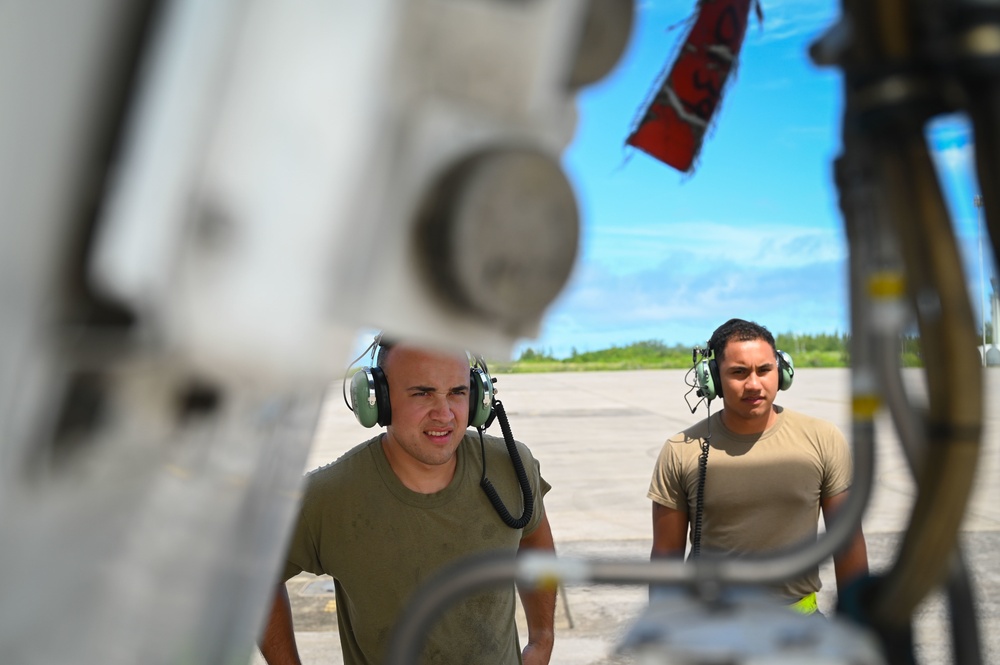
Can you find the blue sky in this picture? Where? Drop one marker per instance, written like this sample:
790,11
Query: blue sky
755,232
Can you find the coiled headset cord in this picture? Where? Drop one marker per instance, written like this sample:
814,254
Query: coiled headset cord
699,503
522,477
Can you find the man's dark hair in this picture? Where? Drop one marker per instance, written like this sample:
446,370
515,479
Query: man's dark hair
738,330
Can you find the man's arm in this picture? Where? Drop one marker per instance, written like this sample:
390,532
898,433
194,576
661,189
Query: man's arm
539,604
277,644
670,530
852,561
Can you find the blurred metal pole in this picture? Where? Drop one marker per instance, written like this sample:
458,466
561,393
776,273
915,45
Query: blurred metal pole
977,200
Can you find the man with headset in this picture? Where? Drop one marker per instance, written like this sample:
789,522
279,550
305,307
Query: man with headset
394,510
770,473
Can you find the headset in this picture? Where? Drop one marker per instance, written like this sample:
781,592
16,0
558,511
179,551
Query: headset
709,383
370,392
370,404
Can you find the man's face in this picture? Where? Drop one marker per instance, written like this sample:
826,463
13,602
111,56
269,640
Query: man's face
429,394
749,375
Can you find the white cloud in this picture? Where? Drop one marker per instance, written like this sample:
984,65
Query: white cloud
955,158
674,305
952,144
690,246
791,19
677,282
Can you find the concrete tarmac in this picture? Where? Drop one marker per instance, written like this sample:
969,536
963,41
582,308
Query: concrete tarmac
597,435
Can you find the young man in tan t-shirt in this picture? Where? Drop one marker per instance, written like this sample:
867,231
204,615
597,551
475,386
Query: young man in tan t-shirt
772,471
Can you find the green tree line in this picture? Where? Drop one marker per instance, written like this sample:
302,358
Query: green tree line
816,350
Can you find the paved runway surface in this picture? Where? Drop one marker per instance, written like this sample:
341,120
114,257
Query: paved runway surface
597,435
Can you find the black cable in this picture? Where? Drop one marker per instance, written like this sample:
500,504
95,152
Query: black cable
966,642
522,476
699,503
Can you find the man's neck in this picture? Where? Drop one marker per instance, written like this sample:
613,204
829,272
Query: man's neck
414,474
745,426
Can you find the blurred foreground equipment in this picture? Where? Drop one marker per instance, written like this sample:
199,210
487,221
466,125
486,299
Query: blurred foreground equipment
903,64
203,202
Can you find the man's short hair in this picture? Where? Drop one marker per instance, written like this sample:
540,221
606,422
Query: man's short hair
738,330
384,346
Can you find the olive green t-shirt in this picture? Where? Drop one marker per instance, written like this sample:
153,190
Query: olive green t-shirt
380,541
762,491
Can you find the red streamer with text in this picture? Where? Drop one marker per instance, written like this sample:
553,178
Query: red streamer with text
672,128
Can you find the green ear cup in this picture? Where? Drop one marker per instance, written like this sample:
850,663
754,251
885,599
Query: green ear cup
787,369
480,397
370,397
705,373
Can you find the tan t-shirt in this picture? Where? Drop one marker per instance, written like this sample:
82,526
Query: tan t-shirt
762,491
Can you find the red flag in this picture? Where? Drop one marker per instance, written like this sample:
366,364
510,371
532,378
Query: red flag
674,124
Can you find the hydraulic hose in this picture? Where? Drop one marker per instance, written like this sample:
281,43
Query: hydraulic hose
705,574
984,111
878,313
954,379
893,88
